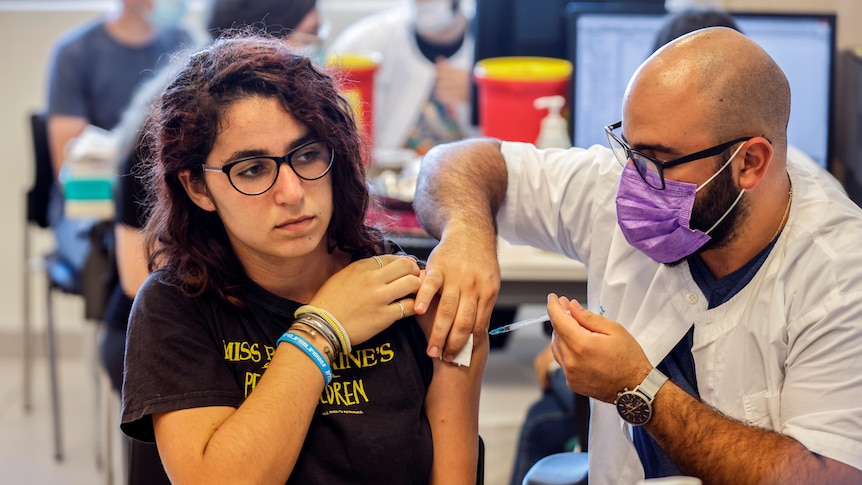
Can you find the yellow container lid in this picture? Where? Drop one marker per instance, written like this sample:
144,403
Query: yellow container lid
354,60
523,69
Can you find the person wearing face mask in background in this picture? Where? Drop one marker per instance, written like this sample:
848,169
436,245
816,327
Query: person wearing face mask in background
421,88
93,74
299,22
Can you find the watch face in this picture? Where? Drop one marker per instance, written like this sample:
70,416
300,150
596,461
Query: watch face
634,408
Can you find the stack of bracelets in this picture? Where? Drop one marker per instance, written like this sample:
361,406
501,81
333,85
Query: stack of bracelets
317,321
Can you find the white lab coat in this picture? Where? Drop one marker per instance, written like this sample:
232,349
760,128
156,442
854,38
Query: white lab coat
405,78
784,354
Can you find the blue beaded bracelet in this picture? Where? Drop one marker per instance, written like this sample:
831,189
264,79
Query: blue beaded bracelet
310,351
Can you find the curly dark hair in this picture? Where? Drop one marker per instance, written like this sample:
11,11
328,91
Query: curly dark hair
181,132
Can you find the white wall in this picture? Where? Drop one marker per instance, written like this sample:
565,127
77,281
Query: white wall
28,30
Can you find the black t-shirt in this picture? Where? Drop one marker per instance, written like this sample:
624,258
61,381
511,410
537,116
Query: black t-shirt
370,425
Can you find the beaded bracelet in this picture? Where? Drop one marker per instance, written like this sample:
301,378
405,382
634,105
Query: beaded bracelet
329,321
310,351
336,325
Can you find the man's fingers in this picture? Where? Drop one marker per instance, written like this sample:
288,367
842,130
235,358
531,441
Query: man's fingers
558,309
461,329
444,316
431,284
561,313
589,320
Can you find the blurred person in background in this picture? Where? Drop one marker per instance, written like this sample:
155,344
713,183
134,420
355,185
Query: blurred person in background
94,71
299,22
421,88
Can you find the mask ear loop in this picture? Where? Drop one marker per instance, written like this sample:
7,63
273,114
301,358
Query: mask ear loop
737,197
722,168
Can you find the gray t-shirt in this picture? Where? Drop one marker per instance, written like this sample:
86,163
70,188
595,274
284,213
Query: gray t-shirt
94,77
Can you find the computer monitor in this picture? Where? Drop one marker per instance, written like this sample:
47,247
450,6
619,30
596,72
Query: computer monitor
530,28
607,48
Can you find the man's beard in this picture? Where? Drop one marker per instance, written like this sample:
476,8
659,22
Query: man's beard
718,196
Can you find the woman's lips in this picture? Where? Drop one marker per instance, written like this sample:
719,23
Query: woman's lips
296,224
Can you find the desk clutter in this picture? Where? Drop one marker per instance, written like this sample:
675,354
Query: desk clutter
392,181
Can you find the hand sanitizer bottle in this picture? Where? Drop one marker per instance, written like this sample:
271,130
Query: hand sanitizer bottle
554,131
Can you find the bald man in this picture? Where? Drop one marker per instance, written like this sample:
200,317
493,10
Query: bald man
722,330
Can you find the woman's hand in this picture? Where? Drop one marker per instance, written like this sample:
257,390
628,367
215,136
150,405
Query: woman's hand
368,295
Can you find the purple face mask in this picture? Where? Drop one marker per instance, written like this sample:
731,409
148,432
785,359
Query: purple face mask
656,222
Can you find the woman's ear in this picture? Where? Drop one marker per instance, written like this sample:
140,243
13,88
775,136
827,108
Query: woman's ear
756,159
197,190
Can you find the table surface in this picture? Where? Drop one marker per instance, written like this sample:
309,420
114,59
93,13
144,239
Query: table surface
525,263
528,275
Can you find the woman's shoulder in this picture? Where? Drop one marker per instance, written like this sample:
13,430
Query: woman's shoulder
158,288
163,285
402,248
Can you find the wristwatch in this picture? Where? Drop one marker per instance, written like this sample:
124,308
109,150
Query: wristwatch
635,406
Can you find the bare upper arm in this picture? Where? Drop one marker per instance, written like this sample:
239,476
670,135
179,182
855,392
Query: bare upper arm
61,129
131,258
452,406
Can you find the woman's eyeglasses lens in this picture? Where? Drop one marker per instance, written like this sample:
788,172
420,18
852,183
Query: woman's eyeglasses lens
256,175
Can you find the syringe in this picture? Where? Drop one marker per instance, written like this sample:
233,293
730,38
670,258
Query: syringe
517,325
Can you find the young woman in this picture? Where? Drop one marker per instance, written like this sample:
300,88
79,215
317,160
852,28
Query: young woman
275,340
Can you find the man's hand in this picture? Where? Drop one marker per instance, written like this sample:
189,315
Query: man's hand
459,190
598,356
466,275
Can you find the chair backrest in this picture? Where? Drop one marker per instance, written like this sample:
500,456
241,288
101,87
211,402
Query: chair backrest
39,193
480,469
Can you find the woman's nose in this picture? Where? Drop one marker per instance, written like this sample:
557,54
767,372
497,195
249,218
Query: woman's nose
288,185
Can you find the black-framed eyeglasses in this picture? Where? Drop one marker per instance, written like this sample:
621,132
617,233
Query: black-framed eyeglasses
650,168
256,174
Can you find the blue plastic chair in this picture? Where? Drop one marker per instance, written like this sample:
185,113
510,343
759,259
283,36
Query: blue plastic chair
567,468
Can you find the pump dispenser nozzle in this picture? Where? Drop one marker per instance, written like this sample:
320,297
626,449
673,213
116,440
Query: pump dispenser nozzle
553,132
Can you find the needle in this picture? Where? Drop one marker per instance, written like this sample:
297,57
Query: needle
517,325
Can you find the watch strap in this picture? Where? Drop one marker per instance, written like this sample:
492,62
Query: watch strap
652,383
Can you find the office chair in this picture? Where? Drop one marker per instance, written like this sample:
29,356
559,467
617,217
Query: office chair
91,282
480,470
566,468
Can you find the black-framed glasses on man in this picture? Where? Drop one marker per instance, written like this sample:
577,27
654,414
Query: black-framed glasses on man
650,168
256,174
